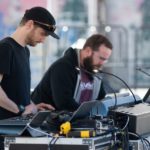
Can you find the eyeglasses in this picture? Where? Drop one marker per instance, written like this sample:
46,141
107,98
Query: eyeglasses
100,57
50,27
103,59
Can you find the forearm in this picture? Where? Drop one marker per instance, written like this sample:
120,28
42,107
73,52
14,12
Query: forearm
6,103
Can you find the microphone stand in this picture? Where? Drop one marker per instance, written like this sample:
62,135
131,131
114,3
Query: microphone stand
93,74
100,71
141,70
148,92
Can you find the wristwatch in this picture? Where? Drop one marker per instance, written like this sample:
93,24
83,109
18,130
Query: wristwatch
21,110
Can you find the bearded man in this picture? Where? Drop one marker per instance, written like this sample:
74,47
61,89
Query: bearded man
70,80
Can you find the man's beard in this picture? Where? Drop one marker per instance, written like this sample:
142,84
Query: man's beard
88,64
30,40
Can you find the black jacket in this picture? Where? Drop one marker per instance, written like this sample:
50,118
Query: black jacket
58,85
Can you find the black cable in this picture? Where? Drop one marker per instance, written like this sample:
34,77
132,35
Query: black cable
126,139
100,71
140,137
123,139
125,135
147,141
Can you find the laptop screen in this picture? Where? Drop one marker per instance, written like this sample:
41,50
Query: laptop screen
84,110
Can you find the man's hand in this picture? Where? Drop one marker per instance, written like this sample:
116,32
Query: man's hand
30,109
44,106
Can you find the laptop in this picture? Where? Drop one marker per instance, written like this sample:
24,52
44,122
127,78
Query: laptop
38,119
14,126
83,111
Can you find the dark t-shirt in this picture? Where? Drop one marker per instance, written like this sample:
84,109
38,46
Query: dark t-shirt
14,65
86,87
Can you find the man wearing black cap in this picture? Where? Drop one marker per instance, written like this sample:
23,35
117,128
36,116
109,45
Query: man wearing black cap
36,24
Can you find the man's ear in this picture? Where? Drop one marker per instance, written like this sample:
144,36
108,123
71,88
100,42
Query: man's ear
29,24
88,51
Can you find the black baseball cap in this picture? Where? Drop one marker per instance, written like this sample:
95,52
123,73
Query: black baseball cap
43,18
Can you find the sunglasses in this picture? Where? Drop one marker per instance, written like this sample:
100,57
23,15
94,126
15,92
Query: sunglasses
49,27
